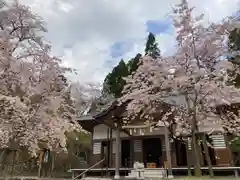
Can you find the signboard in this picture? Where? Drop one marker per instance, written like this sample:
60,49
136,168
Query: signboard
97,148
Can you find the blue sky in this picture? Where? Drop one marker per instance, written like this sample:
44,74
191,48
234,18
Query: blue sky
120,48
159,26
92,36
156,27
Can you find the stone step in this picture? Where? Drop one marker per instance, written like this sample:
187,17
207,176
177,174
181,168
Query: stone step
95,178
147,173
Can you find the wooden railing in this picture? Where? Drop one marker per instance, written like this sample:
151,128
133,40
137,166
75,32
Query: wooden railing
84,172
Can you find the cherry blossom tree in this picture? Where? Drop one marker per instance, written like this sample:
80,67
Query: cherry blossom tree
23,29
84,94
186,88
35,99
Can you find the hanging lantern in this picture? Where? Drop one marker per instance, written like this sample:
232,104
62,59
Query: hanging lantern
130,131
151,129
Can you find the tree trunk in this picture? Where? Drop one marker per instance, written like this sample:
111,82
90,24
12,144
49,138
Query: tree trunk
192,110
4,154
195,147
41,155
188,160
208,159
52,164
13,161
201,156
47,163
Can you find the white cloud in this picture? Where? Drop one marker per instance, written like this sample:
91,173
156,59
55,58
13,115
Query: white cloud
82,31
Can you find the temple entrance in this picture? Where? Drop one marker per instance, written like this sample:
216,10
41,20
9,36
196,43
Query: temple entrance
152,151
105,148
181,152
125,149
211,155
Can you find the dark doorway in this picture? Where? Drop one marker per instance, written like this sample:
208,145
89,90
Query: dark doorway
125,149
181,152
152,151
105,153
211,155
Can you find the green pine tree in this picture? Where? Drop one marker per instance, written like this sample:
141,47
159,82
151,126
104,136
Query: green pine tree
151,48
234,40
114,82
234,45
133,63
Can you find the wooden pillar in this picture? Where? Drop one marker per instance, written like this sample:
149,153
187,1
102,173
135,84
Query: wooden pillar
110,149
131,152
168,153
173,155
117,152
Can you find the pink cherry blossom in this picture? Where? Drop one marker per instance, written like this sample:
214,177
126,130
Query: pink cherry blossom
36,102
194,81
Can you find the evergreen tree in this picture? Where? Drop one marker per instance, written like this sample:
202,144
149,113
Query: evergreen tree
234,45
114,82
133,63
151,48
234,40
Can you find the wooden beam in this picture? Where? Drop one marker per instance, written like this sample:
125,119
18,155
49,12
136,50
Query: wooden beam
138,126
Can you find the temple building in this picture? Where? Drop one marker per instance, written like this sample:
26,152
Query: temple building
122,146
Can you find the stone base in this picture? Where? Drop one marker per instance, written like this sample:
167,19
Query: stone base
116,177
170,177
